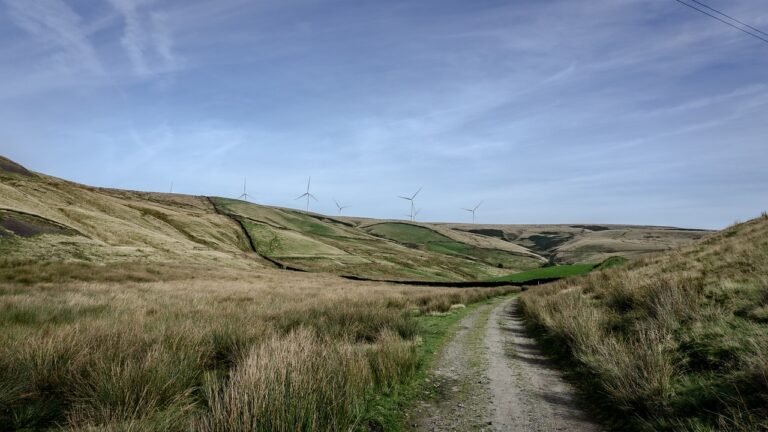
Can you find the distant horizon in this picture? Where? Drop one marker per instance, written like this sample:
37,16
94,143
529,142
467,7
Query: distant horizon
299,208
630,112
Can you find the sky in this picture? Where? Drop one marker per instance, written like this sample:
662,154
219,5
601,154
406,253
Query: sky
547,111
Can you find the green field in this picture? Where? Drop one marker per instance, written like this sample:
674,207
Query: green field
382,251
561,271
554,272
406,233
418,237
614,261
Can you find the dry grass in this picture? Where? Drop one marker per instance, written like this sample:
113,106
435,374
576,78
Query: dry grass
273,351
296,381
678,339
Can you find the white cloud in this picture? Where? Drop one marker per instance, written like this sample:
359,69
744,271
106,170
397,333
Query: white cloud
57,24
162,38
146,38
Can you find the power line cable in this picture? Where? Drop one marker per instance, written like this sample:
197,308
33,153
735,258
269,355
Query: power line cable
730,17
723,21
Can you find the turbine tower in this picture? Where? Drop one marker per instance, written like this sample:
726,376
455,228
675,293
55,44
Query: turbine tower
473,210
307,194
415,213
245,195
340,207
413,207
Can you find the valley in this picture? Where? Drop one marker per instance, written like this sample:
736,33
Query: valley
125,310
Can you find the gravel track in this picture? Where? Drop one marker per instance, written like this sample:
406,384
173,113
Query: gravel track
492,377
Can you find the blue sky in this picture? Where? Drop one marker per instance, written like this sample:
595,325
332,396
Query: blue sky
605,111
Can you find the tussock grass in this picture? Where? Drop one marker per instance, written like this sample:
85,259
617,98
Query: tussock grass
678,340
392,360
293,382
274,351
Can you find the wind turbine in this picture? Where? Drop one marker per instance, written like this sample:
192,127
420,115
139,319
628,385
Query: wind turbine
307,194
245,195
171,187
415,213
340,207
411,198
473,210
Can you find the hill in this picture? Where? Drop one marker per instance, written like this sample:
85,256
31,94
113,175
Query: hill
314,242
44,219
587,243
677,341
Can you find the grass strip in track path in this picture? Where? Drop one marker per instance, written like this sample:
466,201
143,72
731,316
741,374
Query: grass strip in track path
388,412
492,376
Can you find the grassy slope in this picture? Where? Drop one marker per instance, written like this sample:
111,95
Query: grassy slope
319,243
679,341
431,240
119,226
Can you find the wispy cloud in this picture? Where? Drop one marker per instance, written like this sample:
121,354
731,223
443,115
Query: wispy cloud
751,92
146,38
54,22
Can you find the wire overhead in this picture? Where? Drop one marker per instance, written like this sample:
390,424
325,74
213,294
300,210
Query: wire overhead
731,18
741,26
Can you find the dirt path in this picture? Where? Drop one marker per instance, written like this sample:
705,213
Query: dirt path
492,377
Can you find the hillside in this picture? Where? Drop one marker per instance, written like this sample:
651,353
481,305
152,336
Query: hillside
46,219
105,225
587,243
315,242
564,243
677,341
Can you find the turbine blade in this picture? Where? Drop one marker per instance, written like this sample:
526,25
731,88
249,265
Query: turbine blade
312,196
478,205
417,192
405,198
469,210
301,196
